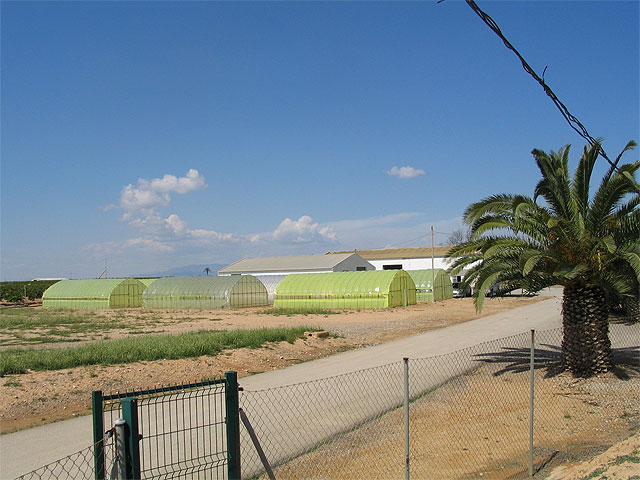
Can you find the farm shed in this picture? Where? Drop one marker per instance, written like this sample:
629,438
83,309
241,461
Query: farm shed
423,279
371,289
339,262
94,294
205,292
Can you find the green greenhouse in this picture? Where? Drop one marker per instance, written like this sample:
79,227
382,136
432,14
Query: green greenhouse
205,292
366,289
94,294
423,280
147,281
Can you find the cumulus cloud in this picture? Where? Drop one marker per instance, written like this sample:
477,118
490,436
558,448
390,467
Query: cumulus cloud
175,223
405,172
212,235
302,230
148,195
170,183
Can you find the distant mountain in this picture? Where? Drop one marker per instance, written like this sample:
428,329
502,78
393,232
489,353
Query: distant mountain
187,271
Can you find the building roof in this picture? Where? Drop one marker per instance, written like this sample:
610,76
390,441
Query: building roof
301,263
388,253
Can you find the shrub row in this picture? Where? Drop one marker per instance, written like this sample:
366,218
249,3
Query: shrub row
17,291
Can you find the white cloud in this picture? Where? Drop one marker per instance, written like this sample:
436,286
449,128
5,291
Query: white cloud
174,223
148,195
211,235
302,230
170,183
405,172
148,244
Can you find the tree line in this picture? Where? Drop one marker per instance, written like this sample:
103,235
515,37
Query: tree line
15,292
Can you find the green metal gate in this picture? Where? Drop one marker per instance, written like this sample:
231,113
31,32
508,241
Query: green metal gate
185,431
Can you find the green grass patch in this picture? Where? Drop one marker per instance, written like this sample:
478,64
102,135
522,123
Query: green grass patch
595,473
143,348
633,458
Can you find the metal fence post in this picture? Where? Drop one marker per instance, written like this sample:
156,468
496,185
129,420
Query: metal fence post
531,398
406,418
98,434
121,449
232,422
132,437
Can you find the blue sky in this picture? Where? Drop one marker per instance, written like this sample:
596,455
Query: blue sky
162,134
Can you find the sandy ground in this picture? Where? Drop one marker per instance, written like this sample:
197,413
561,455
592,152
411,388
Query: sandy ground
620,462
36,398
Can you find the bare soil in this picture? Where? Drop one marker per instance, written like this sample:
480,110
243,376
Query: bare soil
37,398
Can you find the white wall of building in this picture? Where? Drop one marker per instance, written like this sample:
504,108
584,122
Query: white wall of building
413,263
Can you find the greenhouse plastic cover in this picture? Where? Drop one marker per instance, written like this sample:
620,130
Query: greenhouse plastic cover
94,293
367,289
205,292
424,291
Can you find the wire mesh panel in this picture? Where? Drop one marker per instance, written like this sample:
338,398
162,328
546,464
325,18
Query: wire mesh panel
79,465
462,411
182,430
299,426
476,425
469,414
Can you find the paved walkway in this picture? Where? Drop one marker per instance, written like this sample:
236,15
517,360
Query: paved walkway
23,451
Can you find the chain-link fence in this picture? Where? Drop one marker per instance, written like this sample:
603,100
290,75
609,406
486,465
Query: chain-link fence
79,465
469,414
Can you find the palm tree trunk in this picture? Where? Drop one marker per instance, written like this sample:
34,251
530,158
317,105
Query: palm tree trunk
585,337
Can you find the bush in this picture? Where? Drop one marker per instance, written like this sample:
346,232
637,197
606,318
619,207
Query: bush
15,291
12,291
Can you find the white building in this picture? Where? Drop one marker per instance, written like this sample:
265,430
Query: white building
416,258
334,262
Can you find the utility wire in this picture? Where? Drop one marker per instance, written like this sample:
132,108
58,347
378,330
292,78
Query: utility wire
573,122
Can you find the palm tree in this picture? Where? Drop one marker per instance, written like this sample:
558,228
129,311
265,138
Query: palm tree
589,244
207,270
